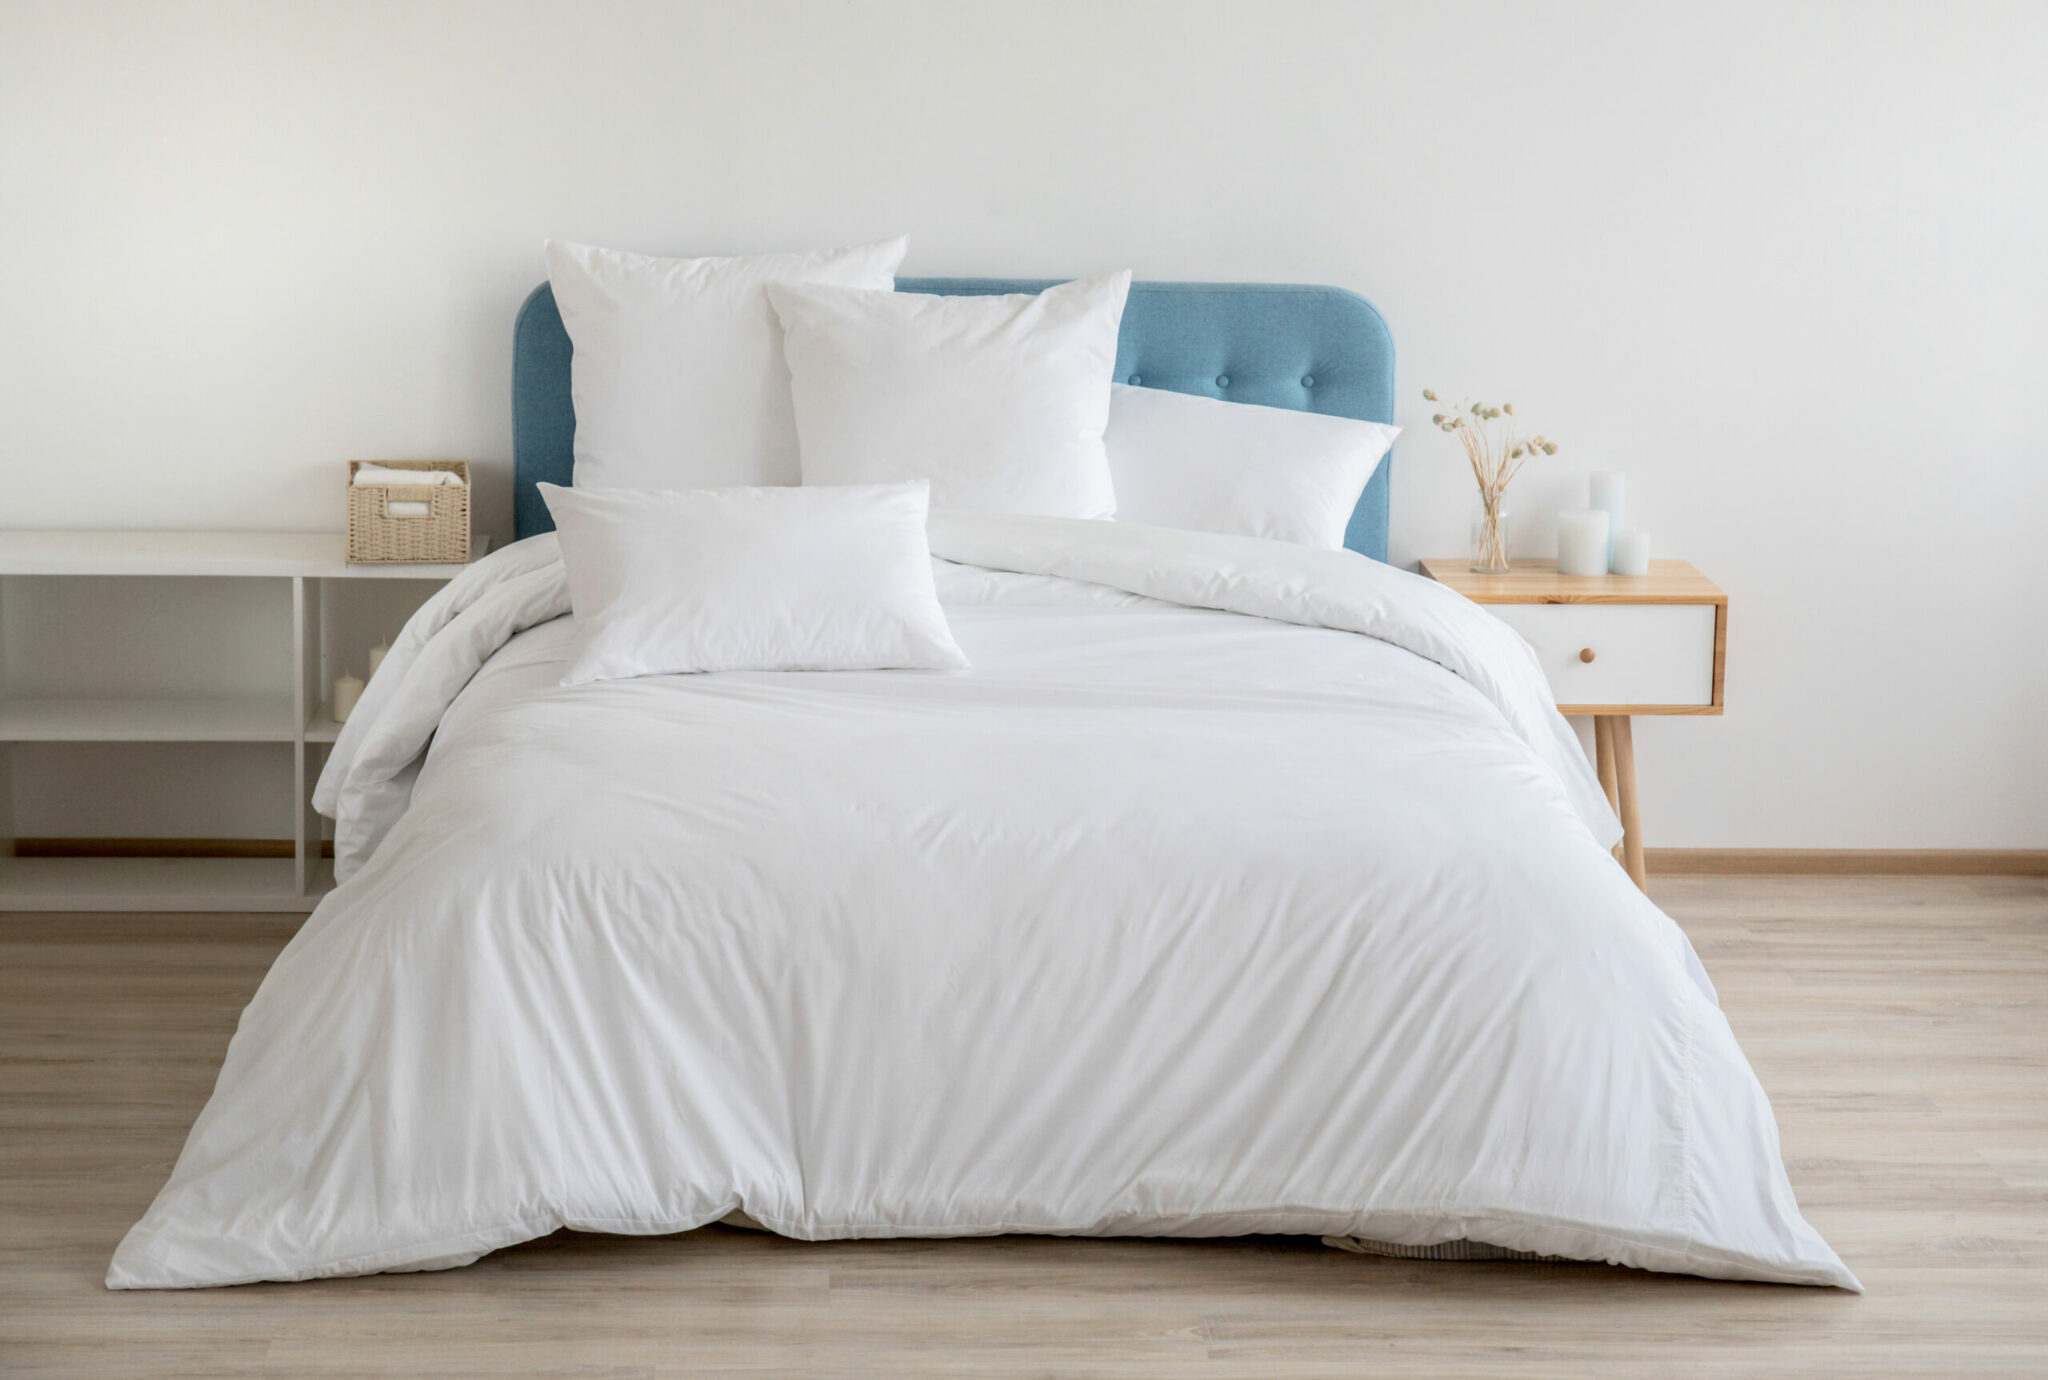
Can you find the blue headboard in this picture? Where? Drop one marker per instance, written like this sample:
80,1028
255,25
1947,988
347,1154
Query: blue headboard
1315,349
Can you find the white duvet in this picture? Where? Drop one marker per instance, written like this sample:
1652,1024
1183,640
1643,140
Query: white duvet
1237,887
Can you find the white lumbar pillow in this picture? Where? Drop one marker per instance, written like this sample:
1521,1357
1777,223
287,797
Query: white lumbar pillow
749,579
1000,402
1205,465
677,374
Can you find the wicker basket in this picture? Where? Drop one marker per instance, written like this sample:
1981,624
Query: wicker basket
441,536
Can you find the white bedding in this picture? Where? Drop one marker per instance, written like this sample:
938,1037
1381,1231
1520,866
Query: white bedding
1162,920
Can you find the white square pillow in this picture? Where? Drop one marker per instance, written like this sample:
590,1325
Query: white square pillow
1000,402
677,375
753,579
1205,465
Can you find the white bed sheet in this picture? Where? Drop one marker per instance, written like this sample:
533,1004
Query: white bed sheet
1160,920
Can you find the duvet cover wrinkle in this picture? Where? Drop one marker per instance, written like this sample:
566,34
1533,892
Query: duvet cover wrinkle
366,783
1234,889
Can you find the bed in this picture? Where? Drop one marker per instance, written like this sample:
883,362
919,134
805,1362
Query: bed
1237,888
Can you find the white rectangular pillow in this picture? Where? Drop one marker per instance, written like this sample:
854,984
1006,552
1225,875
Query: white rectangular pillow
749,579
1000,402
1206,465
677,374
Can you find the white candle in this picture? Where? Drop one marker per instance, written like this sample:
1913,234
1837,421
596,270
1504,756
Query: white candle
1582,542
1609,489
347,691
1632,553
377,655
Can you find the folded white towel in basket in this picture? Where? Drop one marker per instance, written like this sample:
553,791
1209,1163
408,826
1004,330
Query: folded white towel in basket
384,474
408,507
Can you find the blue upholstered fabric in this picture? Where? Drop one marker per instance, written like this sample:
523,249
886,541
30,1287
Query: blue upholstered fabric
1314,349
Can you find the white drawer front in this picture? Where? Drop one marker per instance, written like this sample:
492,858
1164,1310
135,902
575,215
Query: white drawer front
1649,654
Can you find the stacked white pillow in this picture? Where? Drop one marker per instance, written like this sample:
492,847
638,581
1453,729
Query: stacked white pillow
677,375
749,579
1205,465
702,387
1000,402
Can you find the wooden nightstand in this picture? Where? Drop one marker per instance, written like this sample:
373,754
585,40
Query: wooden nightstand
1613,646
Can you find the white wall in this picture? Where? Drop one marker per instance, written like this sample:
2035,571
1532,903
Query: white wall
1786,265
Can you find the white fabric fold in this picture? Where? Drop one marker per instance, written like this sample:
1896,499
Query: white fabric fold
1298,584
367,474
367,781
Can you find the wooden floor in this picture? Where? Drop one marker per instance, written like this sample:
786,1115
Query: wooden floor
1900,1025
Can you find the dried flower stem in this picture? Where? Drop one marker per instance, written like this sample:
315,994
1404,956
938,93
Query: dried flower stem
1496,456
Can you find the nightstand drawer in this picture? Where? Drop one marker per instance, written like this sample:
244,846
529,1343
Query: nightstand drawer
1642,654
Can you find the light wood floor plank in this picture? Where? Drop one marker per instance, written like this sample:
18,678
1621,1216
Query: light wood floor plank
1900,1024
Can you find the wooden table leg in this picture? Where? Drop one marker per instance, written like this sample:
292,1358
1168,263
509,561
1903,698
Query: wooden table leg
1603,755
1625,782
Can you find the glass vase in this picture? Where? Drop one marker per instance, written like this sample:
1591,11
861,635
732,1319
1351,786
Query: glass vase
1490,537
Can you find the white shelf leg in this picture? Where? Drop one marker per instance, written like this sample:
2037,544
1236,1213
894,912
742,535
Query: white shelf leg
305,698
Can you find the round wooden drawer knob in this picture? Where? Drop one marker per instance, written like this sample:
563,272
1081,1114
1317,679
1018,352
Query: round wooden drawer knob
1585,653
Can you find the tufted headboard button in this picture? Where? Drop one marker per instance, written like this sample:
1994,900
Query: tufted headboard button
1134,380
1223,380
1308,380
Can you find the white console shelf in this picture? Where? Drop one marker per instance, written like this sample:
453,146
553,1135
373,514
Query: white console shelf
75,669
